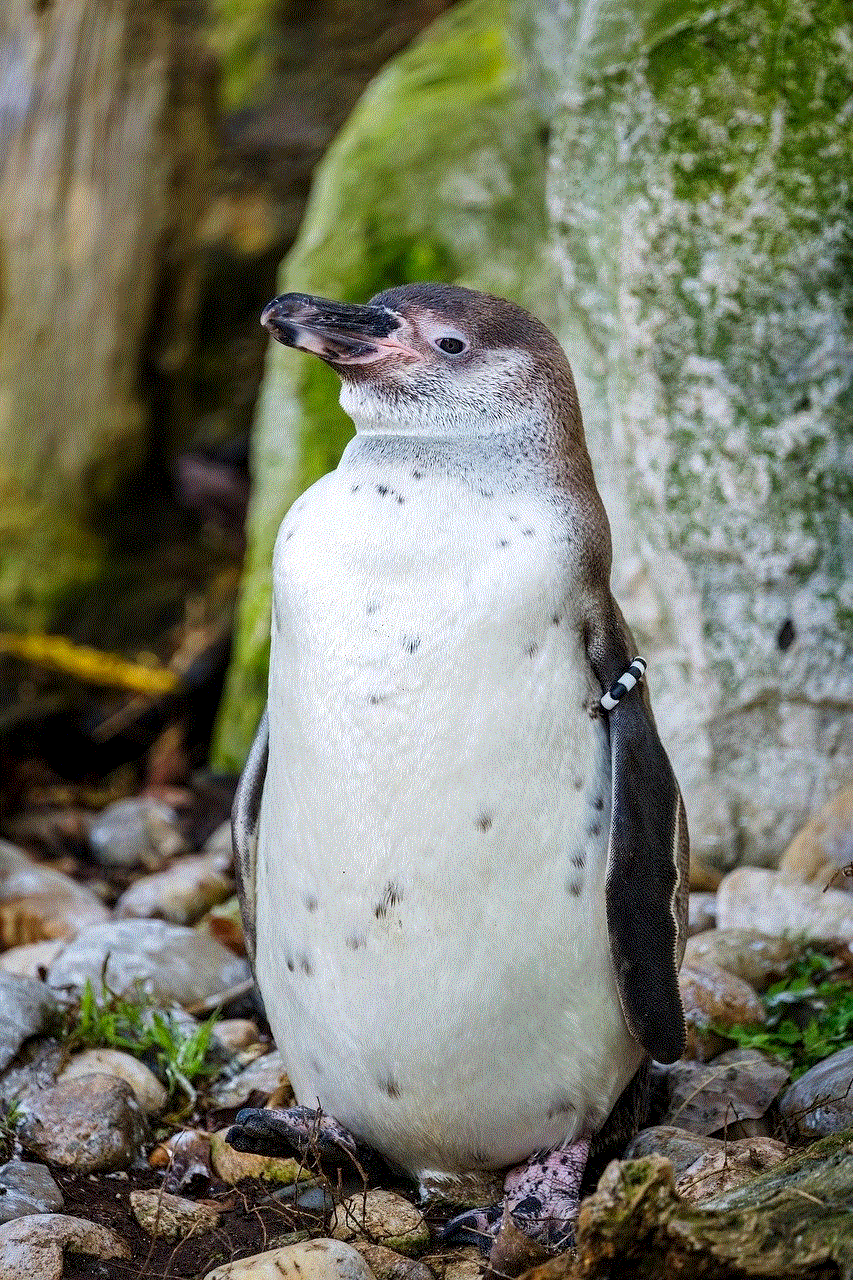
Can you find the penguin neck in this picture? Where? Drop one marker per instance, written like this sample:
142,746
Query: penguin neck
517,453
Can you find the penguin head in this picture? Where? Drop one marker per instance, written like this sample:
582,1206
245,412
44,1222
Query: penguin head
433,359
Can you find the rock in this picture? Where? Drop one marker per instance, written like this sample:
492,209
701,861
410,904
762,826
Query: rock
757,958
39,904
713,995
138,832
92,1124
221,841
236,1033
170,961
740,1084
464,1264
703,878
186,1158
382,1217
172,1217
385,1264
181,894
28,1188
32,959
701,912
824,847
750,898
309,1260
149,1092
25,1006
232,1166
32,1248
821,1101
680,1147
35,1069
263,1076
225,924
736,1163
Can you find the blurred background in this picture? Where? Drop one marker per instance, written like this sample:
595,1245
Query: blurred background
667,185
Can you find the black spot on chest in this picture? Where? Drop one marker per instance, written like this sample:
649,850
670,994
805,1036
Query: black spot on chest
391,895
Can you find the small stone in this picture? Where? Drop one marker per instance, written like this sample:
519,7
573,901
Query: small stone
712,995
757,958
170,962
186,1158
382,1217
706,1097
464,1264
232,1166
262,1077
32,959
824,847
236,1033
35,1069
821,1101
751,898
181,894
138,832
737,1163
680,1147
701,912
25,1006
388,1265
32,1248
28,1188
149,1092
38,904
92,1124
309,1260
172,1217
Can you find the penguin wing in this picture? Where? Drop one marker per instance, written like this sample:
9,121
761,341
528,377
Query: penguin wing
647,857
244,828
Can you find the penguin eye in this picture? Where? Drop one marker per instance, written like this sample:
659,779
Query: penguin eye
453,346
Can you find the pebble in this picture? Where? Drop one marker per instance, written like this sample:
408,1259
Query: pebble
736,1163
713,995
824,846
263,1076
751,898
821,1101
186,1158
38,904
25,1007
756,958
34,1070
172,1217
31,959
171,962
181,894
681,1147
309,1260
138,832
236,1033
382,1217
149,1092
706,1097
464,1264
27,1188
32,1248
701,912
232,1166
385,1264
92,1124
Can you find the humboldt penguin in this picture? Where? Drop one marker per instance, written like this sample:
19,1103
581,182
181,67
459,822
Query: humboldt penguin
462,850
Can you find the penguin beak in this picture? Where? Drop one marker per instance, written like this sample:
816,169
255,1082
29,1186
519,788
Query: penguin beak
340,333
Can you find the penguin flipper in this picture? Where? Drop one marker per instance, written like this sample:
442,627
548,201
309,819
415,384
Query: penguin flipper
244,828
646,858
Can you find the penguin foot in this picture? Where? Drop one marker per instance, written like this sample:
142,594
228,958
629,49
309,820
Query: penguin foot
310,1134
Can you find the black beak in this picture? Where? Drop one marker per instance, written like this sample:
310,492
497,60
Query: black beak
339,332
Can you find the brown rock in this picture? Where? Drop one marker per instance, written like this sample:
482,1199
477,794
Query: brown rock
382,1217
824,847
758,958
388,1265
731,1166
38,904
712,996
172,1217
703,879
182,893
92,1124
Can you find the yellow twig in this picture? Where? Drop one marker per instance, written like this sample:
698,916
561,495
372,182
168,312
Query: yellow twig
87,664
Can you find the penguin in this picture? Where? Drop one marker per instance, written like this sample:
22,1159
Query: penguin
462,851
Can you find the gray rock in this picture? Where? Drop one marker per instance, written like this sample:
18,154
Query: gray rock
32,1248
681,1147
701,912
27,1188
821,1101
750,898
737,1163
25,1006
739,1085
138,832
92,1124
34,1069
264,1075
170,962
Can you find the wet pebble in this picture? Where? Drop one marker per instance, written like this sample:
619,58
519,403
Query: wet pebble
308,1260
138,832
751,898
172,1217
739,1085
92,1124
263,1076
821,1101
149,1092
38,904
27,1188
32,1248
26,1005
182,893
170,962
382,1217
756,958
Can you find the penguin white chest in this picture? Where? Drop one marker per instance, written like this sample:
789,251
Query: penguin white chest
431,934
